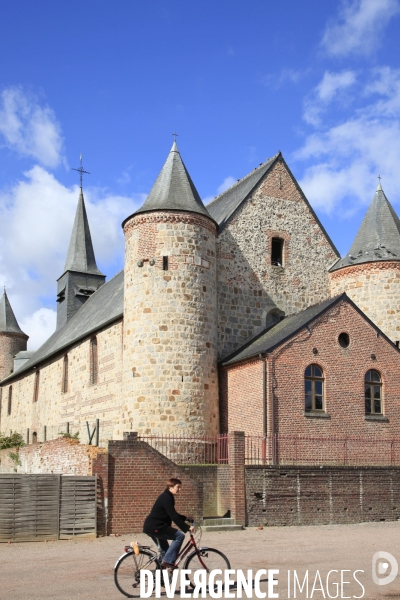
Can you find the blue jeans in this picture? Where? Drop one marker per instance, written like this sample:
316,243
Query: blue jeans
170,552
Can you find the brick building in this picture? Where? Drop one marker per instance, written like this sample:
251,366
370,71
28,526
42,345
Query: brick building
240,296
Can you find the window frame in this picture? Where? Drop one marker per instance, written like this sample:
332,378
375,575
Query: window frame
371,383
314,378
64,382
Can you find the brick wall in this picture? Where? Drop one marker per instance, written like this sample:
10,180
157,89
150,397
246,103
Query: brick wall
63,455
320,496
133,478
10,345
344,370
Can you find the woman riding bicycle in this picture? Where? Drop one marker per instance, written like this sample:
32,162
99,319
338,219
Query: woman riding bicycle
158,524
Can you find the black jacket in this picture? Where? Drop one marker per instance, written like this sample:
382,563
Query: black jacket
162,514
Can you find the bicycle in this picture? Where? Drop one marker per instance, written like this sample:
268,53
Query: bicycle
128,567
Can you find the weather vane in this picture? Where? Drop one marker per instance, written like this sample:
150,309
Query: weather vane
81,170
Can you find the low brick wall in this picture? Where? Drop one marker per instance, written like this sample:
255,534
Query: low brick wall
319,496
131,476
63,455
207,476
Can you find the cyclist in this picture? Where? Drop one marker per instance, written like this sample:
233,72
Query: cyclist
158,523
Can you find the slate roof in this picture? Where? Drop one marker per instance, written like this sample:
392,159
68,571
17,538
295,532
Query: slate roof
8,322
174,189
268,340
226,204
378,237
222,207
80,255
104,306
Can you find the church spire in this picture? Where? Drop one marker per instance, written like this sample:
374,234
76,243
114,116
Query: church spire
174,189
378,238
8,322
80,255
81,276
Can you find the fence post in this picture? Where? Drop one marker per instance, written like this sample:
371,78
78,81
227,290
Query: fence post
237,477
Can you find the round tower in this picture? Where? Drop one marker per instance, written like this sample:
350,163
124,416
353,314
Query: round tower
12,338
370,272
170,310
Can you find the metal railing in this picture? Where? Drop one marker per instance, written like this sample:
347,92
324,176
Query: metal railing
190,450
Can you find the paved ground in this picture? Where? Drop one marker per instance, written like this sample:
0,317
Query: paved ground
83,570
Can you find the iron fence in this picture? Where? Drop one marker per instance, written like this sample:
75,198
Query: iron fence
190,450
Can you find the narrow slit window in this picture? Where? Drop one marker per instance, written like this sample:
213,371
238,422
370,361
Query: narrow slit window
64,386
94,361
277,252
165,263
36,386
9,400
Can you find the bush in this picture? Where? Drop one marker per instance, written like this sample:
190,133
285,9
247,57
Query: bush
11,441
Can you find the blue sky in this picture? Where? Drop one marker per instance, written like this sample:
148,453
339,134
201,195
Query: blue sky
238,81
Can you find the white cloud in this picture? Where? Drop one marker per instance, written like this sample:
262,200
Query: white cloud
347,157
331,87
276,80
359,26
29,128
37,217
40,325
226,184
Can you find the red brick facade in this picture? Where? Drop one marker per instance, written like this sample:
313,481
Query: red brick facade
344,370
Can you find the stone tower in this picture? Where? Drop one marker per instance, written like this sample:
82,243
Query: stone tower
370,272
170,310
12,338
81,276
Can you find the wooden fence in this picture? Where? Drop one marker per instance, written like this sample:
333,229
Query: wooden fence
47,507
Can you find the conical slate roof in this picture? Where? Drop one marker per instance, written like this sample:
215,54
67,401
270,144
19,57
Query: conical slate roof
174,189
80,255
8,322
378,238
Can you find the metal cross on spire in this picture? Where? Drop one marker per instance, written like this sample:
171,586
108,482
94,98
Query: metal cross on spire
175,136
379,177
81,170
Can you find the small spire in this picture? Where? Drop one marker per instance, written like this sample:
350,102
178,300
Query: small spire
379,188
8,322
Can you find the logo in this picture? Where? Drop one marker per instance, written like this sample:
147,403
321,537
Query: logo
385,564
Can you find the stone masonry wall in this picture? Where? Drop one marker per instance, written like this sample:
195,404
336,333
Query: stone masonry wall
248,285
83,401
375,288
321,496
63,455
170,345
10,345
344,370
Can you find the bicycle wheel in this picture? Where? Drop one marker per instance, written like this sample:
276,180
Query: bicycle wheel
206,558
127,571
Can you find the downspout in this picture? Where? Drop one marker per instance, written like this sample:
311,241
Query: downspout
265,416
270,408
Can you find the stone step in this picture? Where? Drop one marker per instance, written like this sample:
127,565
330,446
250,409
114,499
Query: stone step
220,524
218,521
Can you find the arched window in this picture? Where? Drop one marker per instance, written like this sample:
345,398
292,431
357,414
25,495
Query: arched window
373,393
34,437
36,386
9,400
94,361
64,384
277,252
314,388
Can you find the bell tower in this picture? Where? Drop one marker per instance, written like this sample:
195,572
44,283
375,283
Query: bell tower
12,338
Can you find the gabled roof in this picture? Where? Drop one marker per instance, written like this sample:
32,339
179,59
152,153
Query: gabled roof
103,307
80,255
174,189
268,340
223,207
8,322
378,238
226,204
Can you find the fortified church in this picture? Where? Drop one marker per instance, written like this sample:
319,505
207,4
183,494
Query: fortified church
235,316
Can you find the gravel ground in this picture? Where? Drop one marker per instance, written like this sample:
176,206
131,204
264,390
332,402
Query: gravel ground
83,570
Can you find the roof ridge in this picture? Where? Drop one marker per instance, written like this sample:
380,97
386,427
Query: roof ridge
245,177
